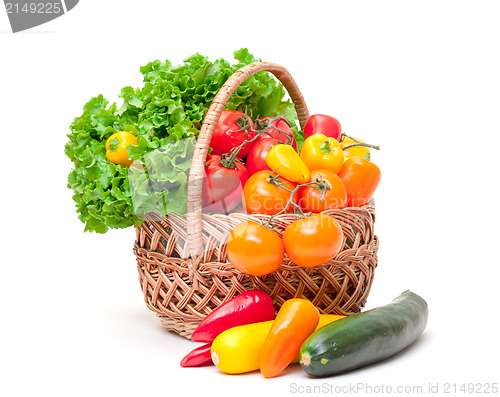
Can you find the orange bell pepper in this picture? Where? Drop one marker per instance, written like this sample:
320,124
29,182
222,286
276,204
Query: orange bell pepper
322,152
295,321
287,163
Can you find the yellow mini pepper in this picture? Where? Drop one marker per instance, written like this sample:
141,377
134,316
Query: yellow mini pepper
322,152
116,147
288,164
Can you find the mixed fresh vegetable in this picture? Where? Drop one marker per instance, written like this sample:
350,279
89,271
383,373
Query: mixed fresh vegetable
329,170
156,127
324,345
265,172
136,159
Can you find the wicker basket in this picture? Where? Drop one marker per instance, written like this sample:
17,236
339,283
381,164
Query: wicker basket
182,263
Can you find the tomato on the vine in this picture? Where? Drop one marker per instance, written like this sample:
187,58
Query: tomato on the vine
315,200
361,178
282,131
323,124
254,249
256,159
233,128
314,240
222,187
263,197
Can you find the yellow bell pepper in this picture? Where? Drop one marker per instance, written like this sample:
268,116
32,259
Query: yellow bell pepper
322,152
287,163
237,350
116,147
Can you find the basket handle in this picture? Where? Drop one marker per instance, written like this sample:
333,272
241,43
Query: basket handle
196,173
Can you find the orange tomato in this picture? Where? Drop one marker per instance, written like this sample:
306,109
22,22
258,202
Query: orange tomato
116,147
254,249
295,321
314,240
262,197
313,200
361,178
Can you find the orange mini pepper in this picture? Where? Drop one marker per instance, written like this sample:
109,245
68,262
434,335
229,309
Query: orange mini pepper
322,152
287,163
296,320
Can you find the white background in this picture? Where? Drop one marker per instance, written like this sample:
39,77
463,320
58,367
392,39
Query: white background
422,79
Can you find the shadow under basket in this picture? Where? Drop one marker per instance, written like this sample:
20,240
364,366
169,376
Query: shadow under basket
183,270
183,291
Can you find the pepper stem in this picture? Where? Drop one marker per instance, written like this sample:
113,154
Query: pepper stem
326,146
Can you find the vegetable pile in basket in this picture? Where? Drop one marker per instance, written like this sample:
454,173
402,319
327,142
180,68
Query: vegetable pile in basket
257,167
243,335
159,119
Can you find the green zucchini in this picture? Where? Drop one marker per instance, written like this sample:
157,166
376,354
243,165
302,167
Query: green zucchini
364,338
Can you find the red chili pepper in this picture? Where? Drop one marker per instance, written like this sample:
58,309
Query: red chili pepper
246,308
198,357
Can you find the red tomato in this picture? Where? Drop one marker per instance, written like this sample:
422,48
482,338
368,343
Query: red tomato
323,124
256,159
313,200
314,240
361,178
230,134
253,249
281,132
222,187
262,197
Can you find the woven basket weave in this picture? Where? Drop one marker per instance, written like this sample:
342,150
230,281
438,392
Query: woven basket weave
183,270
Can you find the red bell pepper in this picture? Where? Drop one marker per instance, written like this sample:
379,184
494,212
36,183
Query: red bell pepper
246,308
198,357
